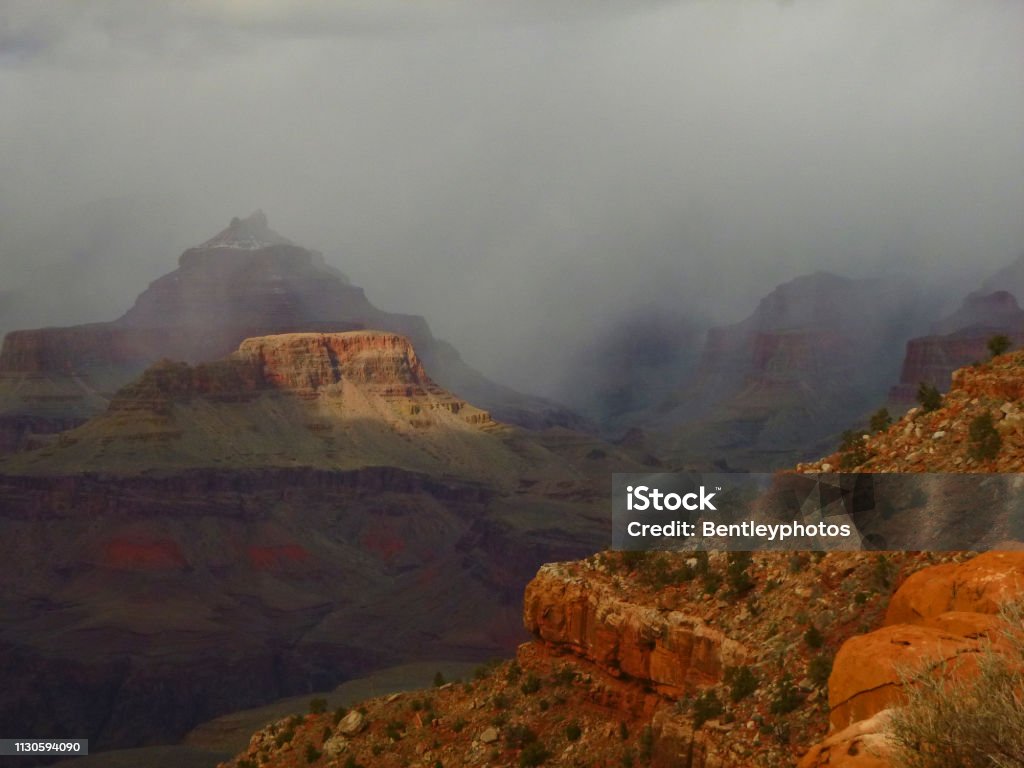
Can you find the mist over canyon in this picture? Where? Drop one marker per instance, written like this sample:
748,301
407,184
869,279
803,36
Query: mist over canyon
324,328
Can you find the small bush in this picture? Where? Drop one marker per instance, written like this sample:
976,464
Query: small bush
712,582
317,706
818,670
518,736
798,562
459,724
928,397
705,707
880,420
741,681
984,440
438,679
533,754
738,573
647,743
883,572
852,451
786,697
957,721
814,638
999,345
284,737
312,754
339,713
573,731
531,684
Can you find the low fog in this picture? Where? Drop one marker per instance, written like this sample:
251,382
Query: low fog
524,174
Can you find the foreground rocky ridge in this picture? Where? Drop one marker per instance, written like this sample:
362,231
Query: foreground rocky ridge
657,659
940,440
721,660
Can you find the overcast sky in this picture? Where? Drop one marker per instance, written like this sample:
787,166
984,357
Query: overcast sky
521,173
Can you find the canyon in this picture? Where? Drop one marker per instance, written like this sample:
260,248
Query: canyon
311,507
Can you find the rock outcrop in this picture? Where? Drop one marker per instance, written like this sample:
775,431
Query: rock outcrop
956,341
940,440
247,281
671,651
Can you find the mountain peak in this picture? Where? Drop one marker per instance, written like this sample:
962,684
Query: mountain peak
248,234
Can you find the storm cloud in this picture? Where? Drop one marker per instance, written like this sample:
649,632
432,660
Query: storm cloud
523,174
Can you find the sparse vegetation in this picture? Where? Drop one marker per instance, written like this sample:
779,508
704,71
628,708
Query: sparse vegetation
880,420
573,731
999,345
705,707
533,754
786,697
438,679
312,754
984,440
317,706
928,397
818,670
814,638
960,721
738,574
531,684
853,452
741,681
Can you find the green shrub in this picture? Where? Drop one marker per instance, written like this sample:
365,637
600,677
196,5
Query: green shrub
818,670
531,684
533,754
966,721
852,450
312,754
573,731
459,724
928,397
999,345
317,706
339,713
738,573
284,737
705,707
984,440
741,681
518,736
814,638
647,743
438,679
880,420
786,697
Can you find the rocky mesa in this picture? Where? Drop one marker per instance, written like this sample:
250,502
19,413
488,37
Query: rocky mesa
247,281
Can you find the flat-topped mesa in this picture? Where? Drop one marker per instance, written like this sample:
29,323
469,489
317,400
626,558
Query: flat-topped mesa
313,361
379,364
